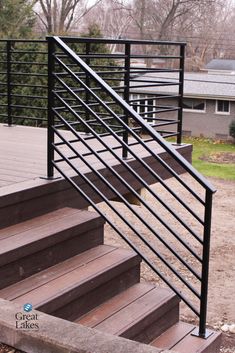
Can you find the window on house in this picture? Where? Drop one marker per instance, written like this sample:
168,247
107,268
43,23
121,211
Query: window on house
143,106
223,107
194,104
134,104
149,109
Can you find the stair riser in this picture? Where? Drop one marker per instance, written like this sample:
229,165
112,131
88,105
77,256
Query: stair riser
214,347
155,328
28,265
119,277
35,201
96,297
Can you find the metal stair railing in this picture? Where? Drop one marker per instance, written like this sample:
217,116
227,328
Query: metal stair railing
86,136
136,66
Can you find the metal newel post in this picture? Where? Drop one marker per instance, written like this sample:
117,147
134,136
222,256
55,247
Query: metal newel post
126,94
51,118
9,100
181,94
205,264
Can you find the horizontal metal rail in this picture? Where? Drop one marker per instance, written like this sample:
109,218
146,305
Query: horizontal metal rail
23,74
23,71
71,39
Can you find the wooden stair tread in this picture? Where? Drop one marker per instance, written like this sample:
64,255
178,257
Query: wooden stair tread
30,236
113,305
121,314
35,222
15,290
179,339
74,276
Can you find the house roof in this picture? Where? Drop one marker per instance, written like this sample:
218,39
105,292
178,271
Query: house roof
196,85
221,64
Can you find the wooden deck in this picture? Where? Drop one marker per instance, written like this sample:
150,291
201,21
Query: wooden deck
23,153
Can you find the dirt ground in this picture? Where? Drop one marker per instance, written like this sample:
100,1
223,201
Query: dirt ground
221,305
221,302
7,349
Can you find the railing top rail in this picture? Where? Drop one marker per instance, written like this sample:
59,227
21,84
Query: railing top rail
71,39
24,40
151,131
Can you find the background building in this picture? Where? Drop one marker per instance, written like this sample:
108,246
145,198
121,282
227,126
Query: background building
209,100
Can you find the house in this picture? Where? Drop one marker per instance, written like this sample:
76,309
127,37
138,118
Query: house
221,66
208,104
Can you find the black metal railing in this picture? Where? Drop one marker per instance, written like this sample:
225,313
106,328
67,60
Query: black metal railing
136,72
139,72
88,130
23,82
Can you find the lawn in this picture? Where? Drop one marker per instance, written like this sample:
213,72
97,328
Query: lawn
213,158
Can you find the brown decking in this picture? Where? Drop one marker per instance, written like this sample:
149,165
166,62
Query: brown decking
23,153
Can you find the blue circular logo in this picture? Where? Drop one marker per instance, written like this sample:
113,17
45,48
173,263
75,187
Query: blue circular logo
28,307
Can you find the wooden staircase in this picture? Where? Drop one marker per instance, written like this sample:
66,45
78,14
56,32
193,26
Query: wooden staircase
59,264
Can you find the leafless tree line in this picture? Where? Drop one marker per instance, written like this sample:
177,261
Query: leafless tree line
206,25
61,16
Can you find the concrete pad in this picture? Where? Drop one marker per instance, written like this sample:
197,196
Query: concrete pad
48,334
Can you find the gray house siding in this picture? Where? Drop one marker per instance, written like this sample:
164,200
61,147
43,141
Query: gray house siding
201,124
198,87
209,123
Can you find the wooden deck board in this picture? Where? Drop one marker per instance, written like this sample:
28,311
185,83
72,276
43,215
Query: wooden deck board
23,153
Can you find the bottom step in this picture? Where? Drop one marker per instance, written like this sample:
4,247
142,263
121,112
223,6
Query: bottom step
179,338
140,313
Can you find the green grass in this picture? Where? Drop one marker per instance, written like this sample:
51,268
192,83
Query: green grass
206,148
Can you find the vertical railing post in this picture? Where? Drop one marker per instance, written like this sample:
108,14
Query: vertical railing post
205,263
50,106
87,99
9,87
126,93
181,93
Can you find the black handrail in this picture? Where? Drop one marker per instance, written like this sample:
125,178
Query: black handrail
71,39
81,110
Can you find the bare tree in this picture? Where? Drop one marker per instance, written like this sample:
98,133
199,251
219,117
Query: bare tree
59,16
112,18
158,18
199,22
207,34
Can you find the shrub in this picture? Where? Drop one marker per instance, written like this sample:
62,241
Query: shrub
232,129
